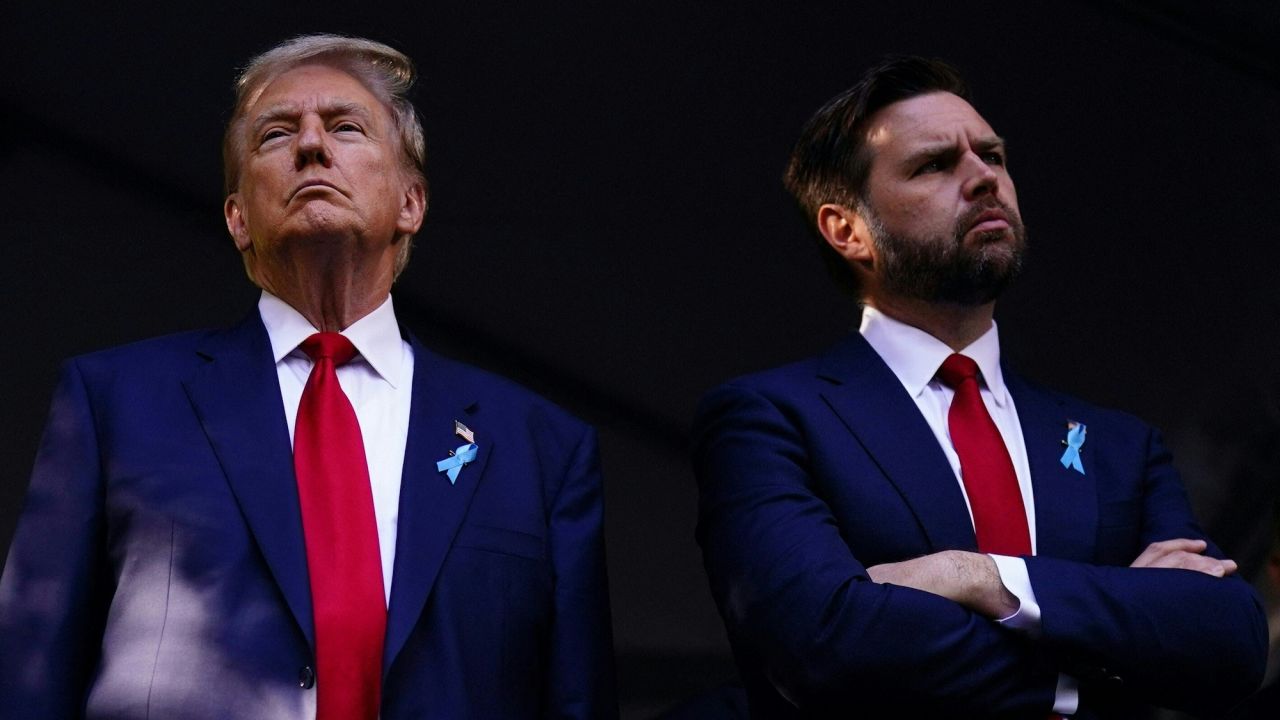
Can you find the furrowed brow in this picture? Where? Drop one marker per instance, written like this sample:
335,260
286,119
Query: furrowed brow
273,114
989,143
291,111
945,150
929,152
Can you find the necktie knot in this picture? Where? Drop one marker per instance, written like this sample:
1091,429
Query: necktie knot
956,369
332,345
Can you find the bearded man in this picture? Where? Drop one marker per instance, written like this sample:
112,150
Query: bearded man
309,515
904,527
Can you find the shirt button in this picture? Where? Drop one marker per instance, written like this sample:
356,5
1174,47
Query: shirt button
306,678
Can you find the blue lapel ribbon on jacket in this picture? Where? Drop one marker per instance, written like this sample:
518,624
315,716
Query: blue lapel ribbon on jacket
452,465
1075,440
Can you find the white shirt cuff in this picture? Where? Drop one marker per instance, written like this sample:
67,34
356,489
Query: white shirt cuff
1066,697
1013,575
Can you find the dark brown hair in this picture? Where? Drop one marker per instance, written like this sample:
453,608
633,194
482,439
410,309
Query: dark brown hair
830,161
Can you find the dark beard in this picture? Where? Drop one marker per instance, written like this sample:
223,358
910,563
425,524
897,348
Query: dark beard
945,269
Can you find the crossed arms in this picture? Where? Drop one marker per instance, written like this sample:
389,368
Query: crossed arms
786,521
972,580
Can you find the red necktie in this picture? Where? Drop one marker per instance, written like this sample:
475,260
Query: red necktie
348,604
999,517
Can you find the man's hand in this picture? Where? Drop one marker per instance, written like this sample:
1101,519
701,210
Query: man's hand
968,578
1184,554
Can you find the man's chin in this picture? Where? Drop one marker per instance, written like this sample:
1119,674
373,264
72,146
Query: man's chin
984,279
989,238
319,219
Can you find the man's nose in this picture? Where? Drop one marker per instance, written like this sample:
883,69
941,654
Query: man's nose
981,178
312,145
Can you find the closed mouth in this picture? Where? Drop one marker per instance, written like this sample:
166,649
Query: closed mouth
313,184
989,220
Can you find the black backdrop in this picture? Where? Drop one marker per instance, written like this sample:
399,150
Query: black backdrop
608,227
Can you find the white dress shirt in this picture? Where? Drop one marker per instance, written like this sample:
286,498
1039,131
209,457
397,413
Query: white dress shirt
914,356
379,383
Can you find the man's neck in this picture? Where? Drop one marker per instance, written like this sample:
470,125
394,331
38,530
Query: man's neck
956,325
332,295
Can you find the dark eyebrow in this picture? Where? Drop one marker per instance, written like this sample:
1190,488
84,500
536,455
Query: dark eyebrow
940,151
992,142
944,150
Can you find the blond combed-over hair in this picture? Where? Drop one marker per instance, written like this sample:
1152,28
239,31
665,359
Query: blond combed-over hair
386,72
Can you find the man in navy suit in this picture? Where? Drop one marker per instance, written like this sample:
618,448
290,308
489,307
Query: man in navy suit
169,563
904,527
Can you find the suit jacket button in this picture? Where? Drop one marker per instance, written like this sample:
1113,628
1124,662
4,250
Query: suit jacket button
306,678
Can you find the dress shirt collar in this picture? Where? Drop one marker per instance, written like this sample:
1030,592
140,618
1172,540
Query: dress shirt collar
376,336
915,356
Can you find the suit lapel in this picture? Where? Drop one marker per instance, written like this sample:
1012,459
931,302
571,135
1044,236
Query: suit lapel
236,396
431,508
1065,500
875,408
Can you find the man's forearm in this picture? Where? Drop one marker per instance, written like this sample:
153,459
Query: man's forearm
968,578
1182,639
973,579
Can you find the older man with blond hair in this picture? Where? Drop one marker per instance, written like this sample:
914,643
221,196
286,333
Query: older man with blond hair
309,514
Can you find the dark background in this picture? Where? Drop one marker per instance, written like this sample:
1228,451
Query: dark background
608,227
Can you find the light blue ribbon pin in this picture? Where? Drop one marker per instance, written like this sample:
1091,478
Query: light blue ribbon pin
1075,440
452,465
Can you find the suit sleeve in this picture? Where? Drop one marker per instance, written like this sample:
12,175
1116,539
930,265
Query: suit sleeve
1177,638
796,599
581,681
54,589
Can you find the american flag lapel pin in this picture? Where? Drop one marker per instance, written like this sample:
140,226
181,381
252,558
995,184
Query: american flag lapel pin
463,432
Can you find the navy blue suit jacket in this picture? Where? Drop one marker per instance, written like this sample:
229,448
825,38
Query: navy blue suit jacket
158,569
811,473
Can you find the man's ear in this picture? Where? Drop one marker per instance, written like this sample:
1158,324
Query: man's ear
845,230
234,215
413,208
